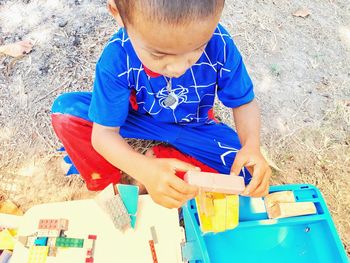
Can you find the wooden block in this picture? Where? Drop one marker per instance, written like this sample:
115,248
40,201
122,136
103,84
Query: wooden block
22,240
223,213
206,200
282,210
52,252
216,183
279,197
232,216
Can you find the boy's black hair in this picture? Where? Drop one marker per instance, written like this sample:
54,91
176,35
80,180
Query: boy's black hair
169,11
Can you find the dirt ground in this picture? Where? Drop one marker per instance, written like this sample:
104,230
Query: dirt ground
300,67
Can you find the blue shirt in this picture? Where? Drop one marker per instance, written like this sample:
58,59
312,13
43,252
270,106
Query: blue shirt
220,70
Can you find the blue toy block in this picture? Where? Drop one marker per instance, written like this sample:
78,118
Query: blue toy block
302,239
129,195
41,241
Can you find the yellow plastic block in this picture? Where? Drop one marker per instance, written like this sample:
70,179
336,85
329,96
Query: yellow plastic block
38,254
219,218
7,241
232,216
204,219
222,214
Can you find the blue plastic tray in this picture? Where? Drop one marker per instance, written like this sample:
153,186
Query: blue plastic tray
300,239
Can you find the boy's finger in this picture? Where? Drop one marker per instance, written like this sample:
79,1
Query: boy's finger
263,188
238,164
170,202
255,182
174,194
182,187
183,166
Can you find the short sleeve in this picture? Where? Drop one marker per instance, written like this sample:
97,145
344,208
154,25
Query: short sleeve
110,97
235,87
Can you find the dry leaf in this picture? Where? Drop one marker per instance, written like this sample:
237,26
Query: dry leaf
17,49
302,12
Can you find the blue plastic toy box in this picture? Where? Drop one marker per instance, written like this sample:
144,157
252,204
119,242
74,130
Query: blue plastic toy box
310,239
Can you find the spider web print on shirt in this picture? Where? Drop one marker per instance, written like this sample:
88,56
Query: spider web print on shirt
157,92
218,71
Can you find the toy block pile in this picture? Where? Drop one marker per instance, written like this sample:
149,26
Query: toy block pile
283,204
50,237
218,201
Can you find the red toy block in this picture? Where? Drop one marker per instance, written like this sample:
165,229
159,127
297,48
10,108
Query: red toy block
89,260
92,237
153,251
217,183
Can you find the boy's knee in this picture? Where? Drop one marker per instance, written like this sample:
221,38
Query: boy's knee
74,103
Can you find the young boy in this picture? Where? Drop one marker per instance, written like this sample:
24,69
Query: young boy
157,79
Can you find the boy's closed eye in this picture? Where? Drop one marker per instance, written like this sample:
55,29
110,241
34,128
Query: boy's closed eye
159,55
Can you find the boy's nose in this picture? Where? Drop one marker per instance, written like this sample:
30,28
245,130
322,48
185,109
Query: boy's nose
178,69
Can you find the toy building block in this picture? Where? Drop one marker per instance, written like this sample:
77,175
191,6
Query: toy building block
226,213
23,240
51,242
38,254
89,244
40,241
47,224
7,241
282,210
53,224
207,205
279,197
129,195
52,251
43,233
69,242
216,183
153,251
5,256
223,215
63,224
30,241
118,213
154,234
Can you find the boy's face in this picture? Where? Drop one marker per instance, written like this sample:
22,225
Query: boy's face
170,50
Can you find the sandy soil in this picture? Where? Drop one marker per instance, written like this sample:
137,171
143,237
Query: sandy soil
300,67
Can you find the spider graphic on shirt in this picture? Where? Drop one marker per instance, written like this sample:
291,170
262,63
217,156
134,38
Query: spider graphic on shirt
179,91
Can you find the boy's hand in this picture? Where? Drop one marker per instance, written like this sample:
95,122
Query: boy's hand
257,166
165,187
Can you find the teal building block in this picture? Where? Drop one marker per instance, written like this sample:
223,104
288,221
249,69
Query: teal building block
40,241
129,195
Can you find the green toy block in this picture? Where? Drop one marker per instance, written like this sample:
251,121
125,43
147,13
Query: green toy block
69,242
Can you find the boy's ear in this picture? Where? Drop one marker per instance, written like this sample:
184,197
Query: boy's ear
113,10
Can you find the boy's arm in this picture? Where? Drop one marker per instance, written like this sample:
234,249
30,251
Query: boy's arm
247,120
158,175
